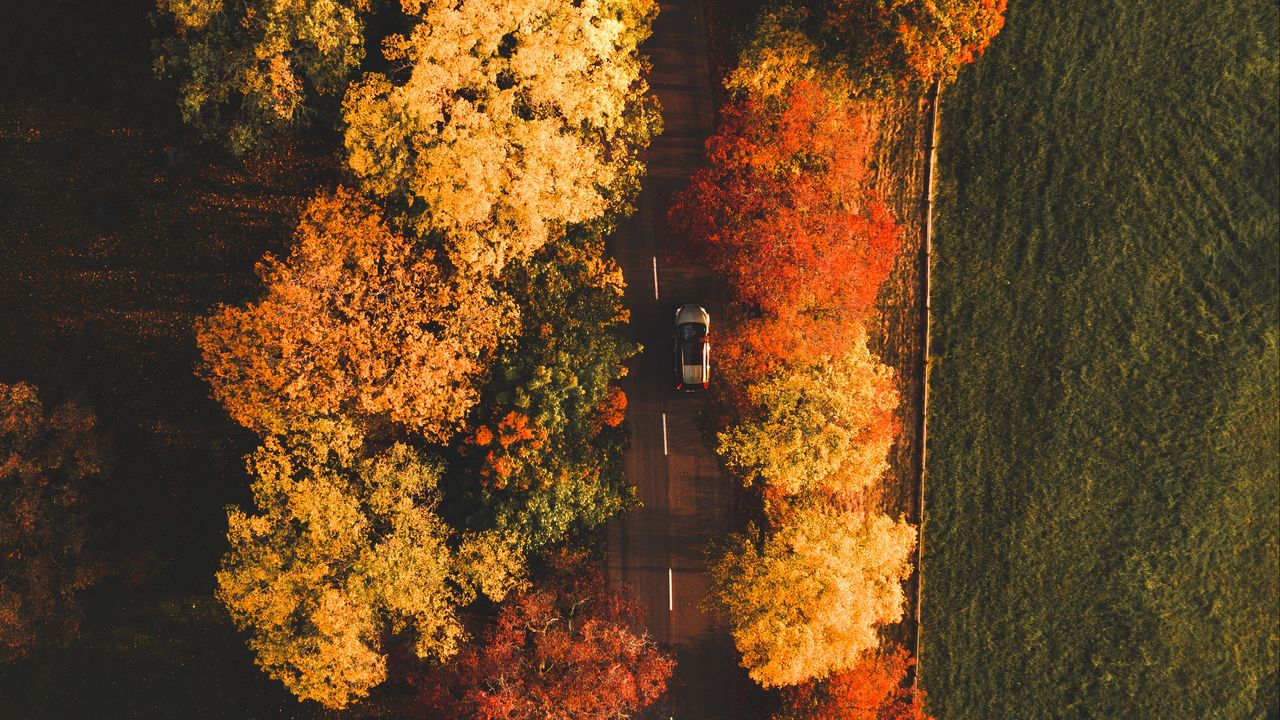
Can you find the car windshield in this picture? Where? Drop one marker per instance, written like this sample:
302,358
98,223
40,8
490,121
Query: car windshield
692,331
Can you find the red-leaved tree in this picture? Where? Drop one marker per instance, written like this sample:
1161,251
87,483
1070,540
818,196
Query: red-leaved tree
50,465
569,648
873,689
785,213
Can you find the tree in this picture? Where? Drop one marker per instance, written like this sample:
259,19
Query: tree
250,69
779,52
358,320
785,214
873,689
915,40
546,441
806,601
865,47
567,649
516,117
345,548
49,461
825,426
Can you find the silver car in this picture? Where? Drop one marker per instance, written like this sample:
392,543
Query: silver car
693,348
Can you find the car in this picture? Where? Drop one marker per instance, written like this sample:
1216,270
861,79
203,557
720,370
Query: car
693,348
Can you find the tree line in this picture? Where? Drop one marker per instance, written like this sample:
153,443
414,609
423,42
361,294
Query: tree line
432,366
786,211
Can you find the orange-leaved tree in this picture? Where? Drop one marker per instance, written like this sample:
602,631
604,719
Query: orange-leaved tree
911,40
358,320
865,48
874,688
785,213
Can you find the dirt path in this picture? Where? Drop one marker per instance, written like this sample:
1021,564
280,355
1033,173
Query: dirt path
898,330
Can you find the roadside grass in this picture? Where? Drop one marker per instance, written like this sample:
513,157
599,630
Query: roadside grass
1103,495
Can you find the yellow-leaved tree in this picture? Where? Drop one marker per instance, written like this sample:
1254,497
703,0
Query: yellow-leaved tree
777,53
807,600
515,118
358,320
825,426
344,547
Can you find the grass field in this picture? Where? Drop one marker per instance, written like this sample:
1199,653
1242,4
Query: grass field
1103,500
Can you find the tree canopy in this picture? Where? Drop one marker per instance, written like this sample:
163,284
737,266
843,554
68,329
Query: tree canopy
565,649
249,69
806,601
462,285
49,460
357,320
344,548
785,213
825,426
779,52
515,118
546,441
864,47
914,40
874,688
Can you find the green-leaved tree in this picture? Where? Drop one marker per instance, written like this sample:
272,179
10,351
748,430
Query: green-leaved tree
250,69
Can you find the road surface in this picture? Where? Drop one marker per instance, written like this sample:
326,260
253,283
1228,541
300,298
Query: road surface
687,501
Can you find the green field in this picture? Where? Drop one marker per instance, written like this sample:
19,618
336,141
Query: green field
1103,497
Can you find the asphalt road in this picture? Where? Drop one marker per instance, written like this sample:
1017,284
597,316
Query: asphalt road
687,501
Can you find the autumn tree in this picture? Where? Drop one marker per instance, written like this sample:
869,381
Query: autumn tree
344,548
874,688
50,459
357,320
566,649
513,118
866,47
825,426
785,214
779,51
916,40
546,446
806,601
249,69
